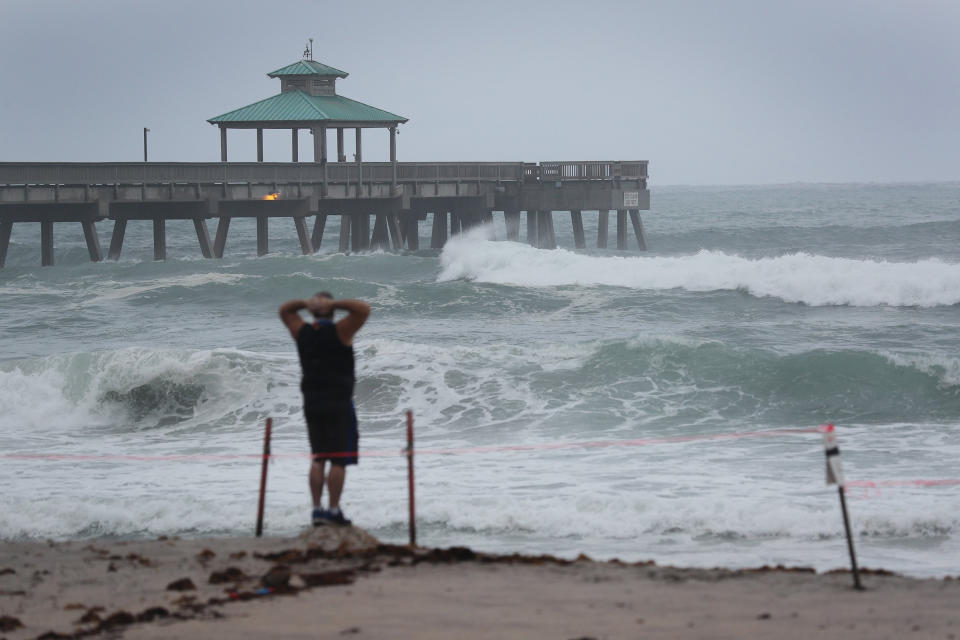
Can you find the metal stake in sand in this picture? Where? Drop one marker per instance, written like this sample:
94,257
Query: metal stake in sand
263,476
835,476
409,450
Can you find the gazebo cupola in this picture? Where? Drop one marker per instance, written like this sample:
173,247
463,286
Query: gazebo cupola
308,100
312,77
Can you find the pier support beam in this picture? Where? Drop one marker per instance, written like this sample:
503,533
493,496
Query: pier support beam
319,224
603,221
223,143
116,239
203,237
456,223
412,224
621,230
303,235
638,229
511,219
223,226
393,226
159,239
295,142
5,229
262,244
344,241
439,236
545,234
579,238
360,233
341,157
46,243
93,241
259,145
532,229
380,239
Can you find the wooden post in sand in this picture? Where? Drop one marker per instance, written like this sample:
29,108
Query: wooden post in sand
413,511
835,476
263,477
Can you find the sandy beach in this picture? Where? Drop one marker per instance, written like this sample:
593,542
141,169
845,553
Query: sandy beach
331,583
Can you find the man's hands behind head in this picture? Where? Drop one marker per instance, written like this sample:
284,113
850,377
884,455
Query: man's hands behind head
320,306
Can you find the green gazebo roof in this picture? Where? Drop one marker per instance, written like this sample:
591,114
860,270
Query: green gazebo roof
307,68
299,106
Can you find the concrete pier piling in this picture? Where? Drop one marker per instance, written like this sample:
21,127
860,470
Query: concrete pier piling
621,230
46,242
319,224
603,221
638,229
306,245
262,236
344,234
5,229
576,221
159,239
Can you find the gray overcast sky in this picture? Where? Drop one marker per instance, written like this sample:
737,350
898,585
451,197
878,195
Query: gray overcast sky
736,92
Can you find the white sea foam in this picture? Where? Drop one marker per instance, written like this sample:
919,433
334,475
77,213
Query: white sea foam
798,277
68,391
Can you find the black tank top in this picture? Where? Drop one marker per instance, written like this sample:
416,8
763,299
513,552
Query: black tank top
327,365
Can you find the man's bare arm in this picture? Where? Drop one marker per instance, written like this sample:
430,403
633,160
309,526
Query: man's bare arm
357,313
290,315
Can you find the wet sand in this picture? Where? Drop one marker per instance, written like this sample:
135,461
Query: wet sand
335,583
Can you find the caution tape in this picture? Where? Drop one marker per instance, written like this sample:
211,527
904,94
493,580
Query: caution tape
549,446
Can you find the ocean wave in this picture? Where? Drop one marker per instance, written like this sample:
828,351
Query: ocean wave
797,277
134,387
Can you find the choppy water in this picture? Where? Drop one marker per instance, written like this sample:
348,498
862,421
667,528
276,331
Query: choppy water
757,308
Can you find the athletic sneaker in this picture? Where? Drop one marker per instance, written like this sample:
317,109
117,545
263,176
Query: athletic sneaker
320,517
339,519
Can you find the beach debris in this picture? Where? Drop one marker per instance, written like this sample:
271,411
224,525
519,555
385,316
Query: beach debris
9,623
183,584
296,582
230,574
111,568
277,577
71,606
764,616
329,578
135,557
205,556
238,555
92,615
151,614
350,631
7,571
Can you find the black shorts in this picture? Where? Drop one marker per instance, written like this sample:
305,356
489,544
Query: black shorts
333,433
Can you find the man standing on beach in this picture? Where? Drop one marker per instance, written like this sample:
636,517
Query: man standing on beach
326,358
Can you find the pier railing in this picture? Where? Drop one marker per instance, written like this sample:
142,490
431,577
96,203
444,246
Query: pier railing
100,173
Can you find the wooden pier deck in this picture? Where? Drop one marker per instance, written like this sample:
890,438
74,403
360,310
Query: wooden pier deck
399,196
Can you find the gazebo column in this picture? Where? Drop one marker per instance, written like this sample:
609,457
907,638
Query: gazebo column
323,155
294,141
223,143
340,156
316,143
359,158
259,145
393,153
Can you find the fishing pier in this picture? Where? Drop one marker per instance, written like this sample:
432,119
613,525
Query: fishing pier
396,196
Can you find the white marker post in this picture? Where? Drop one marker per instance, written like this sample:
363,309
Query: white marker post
835,476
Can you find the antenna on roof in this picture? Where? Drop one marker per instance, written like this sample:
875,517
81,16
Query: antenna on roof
308,52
